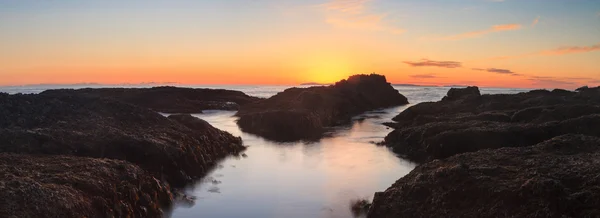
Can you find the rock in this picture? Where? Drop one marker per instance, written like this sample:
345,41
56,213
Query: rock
304,113
63,186
178,150
457,93
168,99
555,178
441,129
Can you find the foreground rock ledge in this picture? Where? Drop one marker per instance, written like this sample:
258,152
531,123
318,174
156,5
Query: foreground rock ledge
555,178
303,113
81,156
168,99
170,149
466,121
63,186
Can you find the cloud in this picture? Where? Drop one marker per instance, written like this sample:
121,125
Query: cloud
424,76
430,63
554,52
354,14
474,34
551,82
535,22
498,71
570,50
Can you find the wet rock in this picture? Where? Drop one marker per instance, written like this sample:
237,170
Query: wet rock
177,149
63,186
168,99
441,129
304,113
555,178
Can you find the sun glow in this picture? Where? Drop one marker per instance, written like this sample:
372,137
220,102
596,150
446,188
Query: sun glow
329,71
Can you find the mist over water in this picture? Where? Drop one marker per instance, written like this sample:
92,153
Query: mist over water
303,179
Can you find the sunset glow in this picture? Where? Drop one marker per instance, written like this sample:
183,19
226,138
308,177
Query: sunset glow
507,43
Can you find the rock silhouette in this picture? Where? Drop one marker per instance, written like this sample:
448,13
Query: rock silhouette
304,113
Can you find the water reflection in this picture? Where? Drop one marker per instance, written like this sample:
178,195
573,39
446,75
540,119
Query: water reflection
298,179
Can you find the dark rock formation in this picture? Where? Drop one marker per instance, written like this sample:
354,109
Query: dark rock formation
457,93
171,149
56,151
555,178
168,99
466,121
303,113
62,186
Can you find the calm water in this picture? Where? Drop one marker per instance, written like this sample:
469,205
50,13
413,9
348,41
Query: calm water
299,179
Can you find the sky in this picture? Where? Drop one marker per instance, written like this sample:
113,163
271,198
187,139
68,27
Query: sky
489,43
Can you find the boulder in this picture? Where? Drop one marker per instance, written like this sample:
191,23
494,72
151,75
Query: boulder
554,178
168,99
458,93
304,113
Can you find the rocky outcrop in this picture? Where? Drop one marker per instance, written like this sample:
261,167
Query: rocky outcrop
303,113
555,178
466,121
68,186
171,149
168,99
80,156
457,93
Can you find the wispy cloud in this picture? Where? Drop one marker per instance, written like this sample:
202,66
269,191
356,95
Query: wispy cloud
355,14
550,82
475,34
535,22
430,63
424,76
565,50
571,50
498,71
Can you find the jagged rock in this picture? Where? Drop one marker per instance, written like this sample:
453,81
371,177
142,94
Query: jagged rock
63,186
555,178
303,113
473,122
168,99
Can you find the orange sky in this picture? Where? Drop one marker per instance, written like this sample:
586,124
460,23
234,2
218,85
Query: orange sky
486,43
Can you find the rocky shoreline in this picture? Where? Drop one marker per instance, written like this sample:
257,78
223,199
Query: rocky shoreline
114,154
168,99
532,154
108,153
304,113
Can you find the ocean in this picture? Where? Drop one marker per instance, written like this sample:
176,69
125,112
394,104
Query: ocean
302,179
